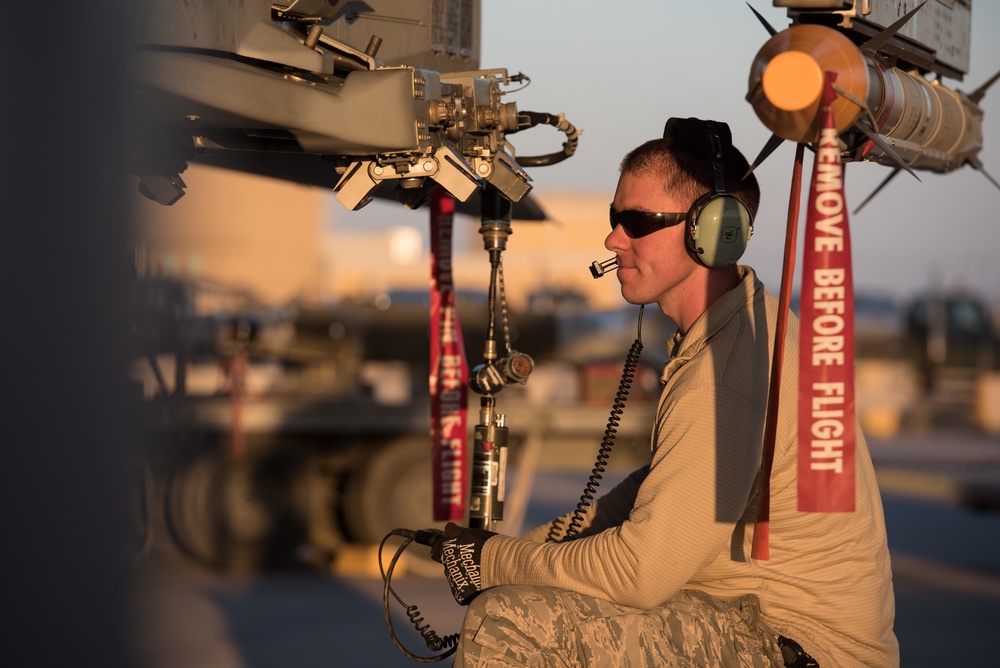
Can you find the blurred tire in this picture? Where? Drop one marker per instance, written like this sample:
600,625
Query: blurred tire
393,489
190,509
232,514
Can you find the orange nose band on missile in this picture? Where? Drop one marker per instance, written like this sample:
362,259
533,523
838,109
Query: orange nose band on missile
786,80
792,81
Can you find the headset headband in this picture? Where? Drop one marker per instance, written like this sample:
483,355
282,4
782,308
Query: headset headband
711,139
715,143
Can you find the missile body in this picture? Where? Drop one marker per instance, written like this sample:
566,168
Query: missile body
927,125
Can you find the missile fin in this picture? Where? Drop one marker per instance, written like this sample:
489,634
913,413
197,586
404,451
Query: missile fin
990,178
773,143
861,103
767,26
884,183
884,145
875,44
980,92
978,165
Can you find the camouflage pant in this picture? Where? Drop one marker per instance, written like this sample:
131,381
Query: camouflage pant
543,626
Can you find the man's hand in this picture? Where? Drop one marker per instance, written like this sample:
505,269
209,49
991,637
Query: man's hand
460,550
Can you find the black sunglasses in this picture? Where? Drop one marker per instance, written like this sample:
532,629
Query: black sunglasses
640,223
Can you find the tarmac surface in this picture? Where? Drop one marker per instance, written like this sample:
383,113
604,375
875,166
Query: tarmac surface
940,495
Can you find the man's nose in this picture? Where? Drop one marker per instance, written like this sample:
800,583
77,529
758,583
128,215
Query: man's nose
616,239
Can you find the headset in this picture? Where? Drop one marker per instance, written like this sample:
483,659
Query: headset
719,224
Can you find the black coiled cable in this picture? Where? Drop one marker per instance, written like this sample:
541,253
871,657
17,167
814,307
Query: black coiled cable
607,443
434,642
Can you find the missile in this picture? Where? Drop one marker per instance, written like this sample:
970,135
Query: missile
883,113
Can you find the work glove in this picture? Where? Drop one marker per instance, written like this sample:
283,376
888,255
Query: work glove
460,551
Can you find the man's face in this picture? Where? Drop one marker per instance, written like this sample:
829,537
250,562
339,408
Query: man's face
653,268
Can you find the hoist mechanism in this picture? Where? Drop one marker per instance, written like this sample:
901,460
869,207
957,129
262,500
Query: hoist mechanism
349,96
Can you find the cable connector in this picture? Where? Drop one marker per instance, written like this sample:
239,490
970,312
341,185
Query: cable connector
428,537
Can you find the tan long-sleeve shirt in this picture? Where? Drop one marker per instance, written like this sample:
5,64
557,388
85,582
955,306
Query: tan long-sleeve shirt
686,520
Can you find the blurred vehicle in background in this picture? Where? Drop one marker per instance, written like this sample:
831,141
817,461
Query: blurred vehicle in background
953,341
954,330
282,434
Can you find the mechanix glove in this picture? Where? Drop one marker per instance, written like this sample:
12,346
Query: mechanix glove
460,551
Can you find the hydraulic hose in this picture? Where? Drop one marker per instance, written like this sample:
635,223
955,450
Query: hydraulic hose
529,119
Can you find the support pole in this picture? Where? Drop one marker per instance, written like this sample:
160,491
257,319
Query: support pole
761,532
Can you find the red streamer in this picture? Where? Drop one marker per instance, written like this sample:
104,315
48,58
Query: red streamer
826,351
449,371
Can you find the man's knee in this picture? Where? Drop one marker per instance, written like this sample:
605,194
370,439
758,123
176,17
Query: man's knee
527,607
515,625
